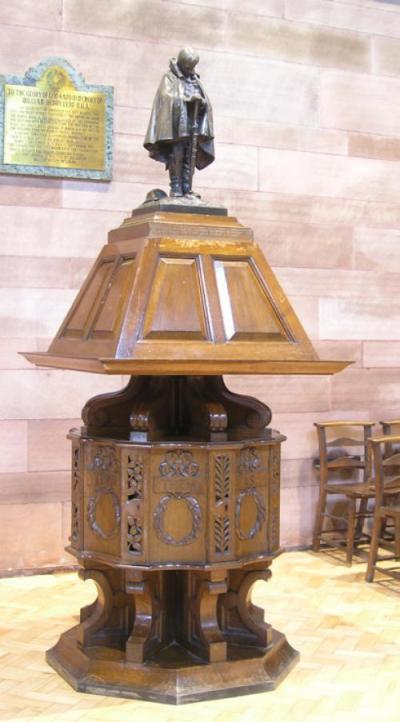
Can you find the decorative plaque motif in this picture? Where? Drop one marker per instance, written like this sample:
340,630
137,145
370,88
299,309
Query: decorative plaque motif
179,463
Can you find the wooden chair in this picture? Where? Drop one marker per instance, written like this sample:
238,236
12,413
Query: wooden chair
385,453
390,428
335,456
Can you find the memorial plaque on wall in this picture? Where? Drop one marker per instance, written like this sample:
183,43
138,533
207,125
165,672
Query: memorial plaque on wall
53,124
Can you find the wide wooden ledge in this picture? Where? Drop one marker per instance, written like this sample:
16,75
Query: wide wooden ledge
192,367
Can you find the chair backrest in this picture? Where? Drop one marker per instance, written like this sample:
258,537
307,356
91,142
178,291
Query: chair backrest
340,437
386,467
390,428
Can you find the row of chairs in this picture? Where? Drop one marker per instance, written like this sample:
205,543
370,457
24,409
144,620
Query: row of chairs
372,501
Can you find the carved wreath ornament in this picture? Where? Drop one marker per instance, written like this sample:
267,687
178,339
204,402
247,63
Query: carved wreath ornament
92,510
158,519
260,516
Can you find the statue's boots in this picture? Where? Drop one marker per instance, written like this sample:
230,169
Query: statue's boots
175,187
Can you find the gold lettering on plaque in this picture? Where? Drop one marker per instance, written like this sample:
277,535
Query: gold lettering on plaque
53,124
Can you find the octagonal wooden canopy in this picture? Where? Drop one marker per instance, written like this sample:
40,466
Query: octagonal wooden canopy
182,293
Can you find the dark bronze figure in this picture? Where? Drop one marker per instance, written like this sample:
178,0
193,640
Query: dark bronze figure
180,132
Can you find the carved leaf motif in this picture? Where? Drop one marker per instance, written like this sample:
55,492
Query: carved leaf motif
222,478
222,534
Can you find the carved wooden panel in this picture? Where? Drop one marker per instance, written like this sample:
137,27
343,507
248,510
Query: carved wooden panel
135,490
82,312
248,310
156,503
109,309
274,496
97,311
251,502
178,504
76,537
176,278
102,497
221,500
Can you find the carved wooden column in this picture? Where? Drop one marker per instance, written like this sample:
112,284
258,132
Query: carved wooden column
175,479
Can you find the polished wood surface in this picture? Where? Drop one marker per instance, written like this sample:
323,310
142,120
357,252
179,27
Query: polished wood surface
175,479
181,293
336,440
175,516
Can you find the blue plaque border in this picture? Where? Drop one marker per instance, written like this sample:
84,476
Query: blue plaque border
30,78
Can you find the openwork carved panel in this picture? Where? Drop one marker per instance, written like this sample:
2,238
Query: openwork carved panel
222,504
222,478
76,460
75,525
134,537
222,534
134,502
135,479
75,496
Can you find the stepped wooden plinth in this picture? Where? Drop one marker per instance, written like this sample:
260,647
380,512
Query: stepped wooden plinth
175,479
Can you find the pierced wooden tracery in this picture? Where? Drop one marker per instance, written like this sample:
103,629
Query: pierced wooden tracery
134,502
222,505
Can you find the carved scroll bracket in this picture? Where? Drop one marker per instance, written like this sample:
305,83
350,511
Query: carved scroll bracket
243,618
96,616
146,631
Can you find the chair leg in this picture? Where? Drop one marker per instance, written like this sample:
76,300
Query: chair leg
351,521
319,521
362,510
397,537
373,550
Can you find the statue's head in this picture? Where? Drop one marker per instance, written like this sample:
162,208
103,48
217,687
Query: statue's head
187,60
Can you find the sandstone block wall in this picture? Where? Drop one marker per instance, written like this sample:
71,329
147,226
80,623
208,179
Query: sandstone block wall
306,97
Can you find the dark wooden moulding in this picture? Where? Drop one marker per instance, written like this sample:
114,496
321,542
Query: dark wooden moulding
175,479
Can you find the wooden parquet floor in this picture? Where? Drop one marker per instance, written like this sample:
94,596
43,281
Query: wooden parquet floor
347,631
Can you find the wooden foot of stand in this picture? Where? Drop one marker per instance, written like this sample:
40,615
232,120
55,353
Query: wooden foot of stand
196,635
175,516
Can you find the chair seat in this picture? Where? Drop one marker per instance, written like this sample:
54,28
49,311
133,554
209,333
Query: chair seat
389,511
346,462
353,490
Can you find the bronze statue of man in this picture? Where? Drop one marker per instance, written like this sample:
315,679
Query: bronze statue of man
180,132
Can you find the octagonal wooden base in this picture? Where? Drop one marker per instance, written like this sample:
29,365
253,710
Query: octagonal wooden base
105,671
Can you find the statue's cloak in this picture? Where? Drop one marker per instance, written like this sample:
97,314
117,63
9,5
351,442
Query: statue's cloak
170,122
